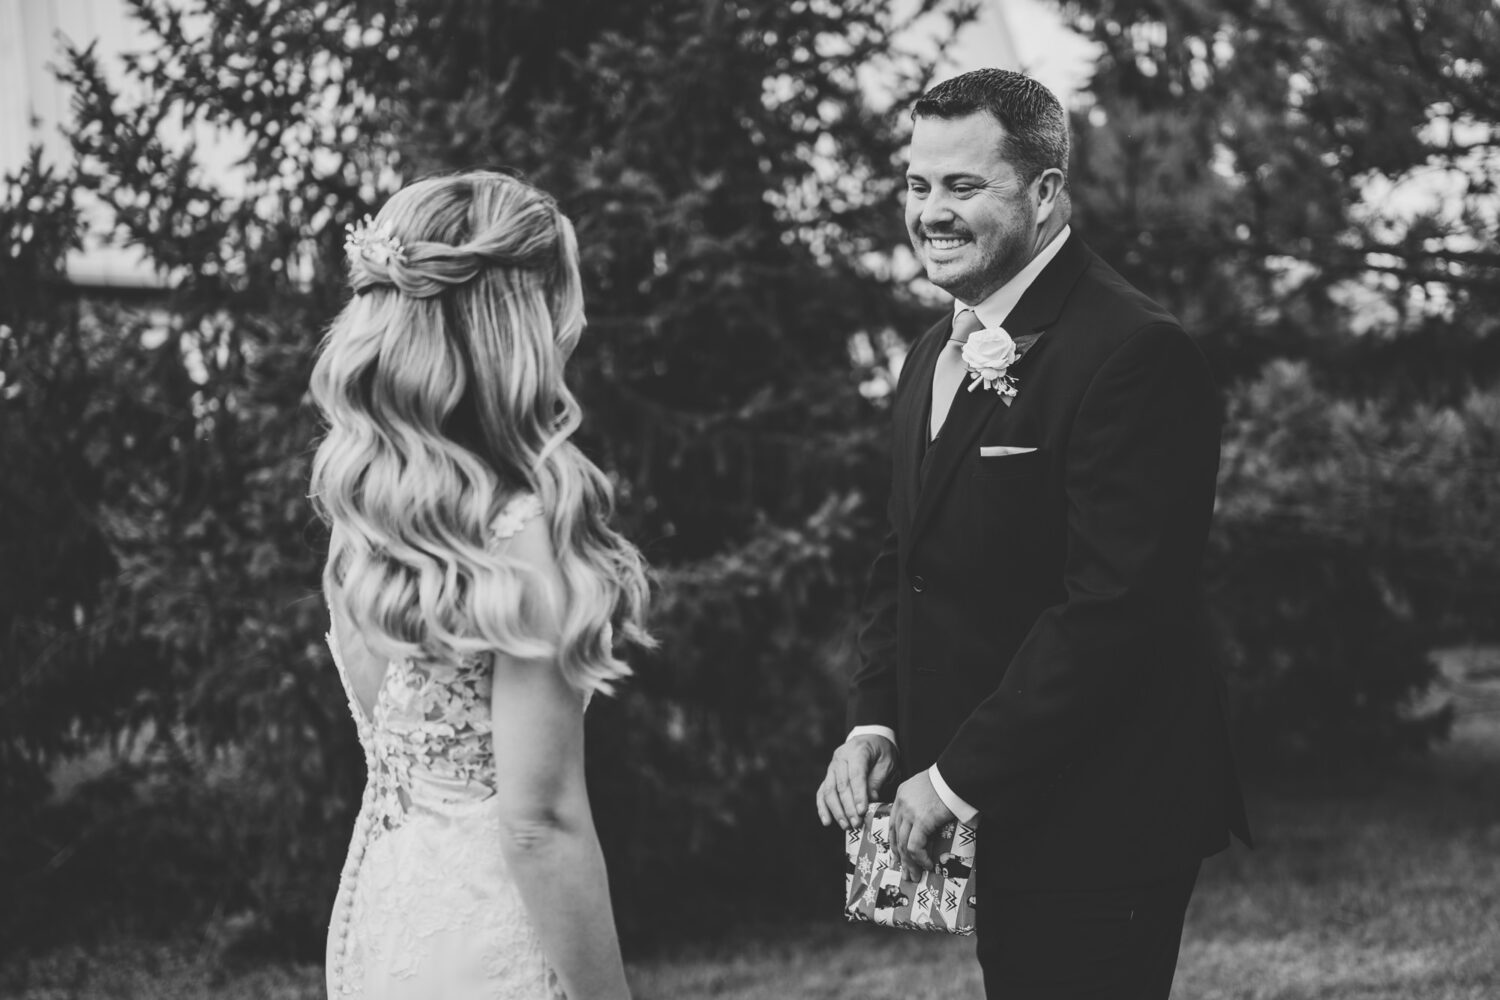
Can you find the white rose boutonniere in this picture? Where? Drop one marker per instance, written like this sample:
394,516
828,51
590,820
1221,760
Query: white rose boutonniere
988,354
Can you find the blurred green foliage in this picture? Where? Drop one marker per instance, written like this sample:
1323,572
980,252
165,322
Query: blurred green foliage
735,183
1311,187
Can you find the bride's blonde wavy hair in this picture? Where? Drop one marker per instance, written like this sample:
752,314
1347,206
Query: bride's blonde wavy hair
442,385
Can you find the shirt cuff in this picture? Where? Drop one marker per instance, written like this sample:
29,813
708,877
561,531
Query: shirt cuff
885,731
966,813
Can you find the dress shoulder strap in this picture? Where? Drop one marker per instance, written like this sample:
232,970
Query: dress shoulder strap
518,510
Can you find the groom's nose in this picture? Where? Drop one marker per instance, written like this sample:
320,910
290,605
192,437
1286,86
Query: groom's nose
936,208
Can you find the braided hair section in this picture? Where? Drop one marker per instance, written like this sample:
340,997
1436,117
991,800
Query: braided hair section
422,269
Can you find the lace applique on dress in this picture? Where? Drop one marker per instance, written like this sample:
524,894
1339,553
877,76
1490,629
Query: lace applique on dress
426,905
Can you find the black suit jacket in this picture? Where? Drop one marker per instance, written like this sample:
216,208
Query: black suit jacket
1036,622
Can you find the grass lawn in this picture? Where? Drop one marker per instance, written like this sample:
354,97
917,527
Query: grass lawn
1389,891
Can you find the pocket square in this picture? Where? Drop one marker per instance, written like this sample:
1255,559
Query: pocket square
997,450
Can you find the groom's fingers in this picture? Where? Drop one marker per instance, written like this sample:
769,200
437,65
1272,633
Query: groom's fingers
904,834
846,795
828,797
898,835
824,816
909,851
916,849
879,772
909,836
849,785
859,788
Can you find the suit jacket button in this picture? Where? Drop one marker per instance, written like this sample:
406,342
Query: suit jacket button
918,584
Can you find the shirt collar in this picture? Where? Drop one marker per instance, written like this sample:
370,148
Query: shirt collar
996,306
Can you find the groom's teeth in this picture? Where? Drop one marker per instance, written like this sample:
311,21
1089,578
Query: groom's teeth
945,244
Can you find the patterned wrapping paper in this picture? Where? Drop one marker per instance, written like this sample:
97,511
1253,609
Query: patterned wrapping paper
876,890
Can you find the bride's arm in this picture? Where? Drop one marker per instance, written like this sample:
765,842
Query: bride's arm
550,843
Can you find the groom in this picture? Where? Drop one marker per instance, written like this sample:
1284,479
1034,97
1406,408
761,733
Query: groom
1035,656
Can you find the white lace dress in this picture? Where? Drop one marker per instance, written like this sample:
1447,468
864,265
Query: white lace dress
426,908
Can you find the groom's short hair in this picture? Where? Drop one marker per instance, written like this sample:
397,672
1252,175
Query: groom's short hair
1036,126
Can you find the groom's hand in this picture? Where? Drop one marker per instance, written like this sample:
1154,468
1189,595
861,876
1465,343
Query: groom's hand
916,817
855,774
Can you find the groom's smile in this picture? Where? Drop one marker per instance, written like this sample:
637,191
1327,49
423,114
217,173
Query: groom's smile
971,218
941,244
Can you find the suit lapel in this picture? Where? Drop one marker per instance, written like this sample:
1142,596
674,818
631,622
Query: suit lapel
1037,310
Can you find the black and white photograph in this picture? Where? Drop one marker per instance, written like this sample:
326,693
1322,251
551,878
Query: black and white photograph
750,499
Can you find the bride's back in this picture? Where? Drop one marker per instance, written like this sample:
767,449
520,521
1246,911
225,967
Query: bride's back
473,584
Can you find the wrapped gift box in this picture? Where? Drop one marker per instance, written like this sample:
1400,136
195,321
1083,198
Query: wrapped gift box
876,890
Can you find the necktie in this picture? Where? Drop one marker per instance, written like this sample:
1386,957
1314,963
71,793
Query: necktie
949,371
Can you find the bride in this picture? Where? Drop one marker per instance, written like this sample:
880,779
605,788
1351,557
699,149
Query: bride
473,582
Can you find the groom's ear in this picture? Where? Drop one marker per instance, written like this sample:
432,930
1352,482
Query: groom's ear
1050,192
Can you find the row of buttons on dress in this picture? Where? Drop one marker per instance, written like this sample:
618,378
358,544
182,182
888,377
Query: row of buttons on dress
343,915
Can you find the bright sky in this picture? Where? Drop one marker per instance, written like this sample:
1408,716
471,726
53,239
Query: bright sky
1024,35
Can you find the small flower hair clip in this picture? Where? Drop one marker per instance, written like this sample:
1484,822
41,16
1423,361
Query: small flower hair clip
373,242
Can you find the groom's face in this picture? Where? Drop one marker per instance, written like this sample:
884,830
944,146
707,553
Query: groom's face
971,217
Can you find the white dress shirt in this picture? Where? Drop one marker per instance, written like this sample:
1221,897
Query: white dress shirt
992,311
